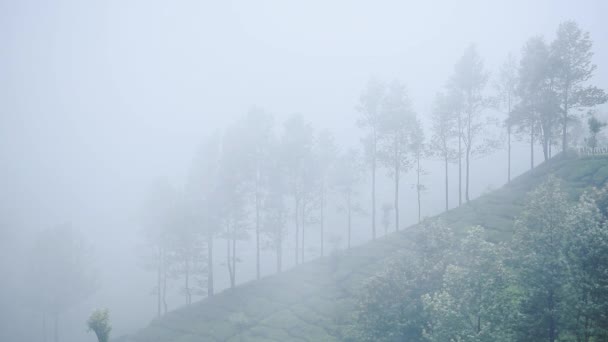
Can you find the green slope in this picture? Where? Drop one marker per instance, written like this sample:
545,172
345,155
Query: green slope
314,301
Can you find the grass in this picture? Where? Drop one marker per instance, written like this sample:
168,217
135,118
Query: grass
314,301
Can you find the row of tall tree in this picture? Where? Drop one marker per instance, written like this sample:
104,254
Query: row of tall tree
259,180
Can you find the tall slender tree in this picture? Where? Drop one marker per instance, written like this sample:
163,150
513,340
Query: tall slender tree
506,87
346,177
369,106
296,145
470,79
444,117
202,191
571,52
396,125
418,149
326,154
257,136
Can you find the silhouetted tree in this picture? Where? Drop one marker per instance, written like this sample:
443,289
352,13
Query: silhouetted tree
397,122
345,179
571,53
444,117
369,106
469,80
506,86
296,144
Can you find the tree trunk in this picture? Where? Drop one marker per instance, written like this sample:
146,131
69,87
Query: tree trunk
187,281
279,250
233,284
459,160
257,232
374,191
303,229
396,197
552,325
468,156
322,221
165,288
418,185
209,265
297,219
229,261
531,148
565,123
509,153
446,182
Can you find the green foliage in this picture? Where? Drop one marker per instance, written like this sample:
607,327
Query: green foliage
473,303
99,323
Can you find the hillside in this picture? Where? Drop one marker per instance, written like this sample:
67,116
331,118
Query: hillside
313,302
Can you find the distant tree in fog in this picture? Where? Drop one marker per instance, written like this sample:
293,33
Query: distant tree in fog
256,136
275,207
296,152
346,177
418,148
397,120
202,192
571,54
469,81
445,132
185,252
534,90
232,195
595,126
506,88
386,216
156,218
99,323
60,272
326,153
369,106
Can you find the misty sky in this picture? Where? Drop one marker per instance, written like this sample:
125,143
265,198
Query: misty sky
100,98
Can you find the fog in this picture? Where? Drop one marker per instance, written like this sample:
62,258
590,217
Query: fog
101,99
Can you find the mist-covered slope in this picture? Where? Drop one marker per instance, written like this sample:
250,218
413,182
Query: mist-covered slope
314,301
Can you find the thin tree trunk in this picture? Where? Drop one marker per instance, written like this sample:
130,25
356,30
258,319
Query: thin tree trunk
229,263
297,219
565,123
466,193
165,288
234,259
187,285
418,186
531,148
279,250
322,222
209,265
459,160
468,156
509,153
396,197
446,182
257,231
374,190
303,229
